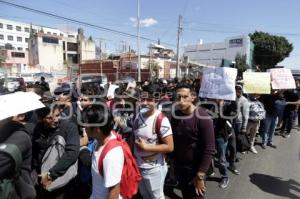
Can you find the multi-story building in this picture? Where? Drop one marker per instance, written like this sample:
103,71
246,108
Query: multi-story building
212,54
50,49
54,53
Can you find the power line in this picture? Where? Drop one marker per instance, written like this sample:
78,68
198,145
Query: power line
79,22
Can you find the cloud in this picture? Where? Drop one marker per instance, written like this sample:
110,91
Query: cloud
144,23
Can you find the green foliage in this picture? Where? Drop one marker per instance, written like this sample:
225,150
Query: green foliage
269,49
241,64
153,67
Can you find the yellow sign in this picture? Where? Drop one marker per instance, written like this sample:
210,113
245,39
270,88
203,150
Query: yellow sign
257,82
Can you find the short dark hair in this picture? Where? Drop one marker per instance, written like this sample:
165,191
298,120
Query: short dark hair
98,114
43,112
184,85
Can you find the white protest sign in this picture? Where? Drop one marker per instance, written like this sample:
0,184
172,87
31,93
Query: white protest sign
218,83
111,90
282,78
257,82
17,103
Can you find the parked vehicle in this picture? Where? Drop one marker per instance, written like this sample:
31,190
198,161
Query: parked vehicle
12,84
48,76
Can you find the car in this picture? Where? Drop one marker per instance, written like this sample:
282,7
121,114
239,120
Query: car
48,76
28,78
12,84
93,78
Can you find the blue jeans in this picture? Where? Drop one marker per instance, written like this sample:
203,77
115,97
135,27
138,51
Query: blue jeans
221,148
270,125
152,184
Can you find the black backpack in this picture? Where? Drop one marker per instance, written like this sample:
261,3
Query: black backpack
242,142
7,185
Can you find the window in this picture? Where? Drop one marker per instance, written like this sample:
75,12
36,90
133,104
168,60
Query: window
19,39
71,46
26,40
61,34
20,48
26,29
34,30
1,37
10,38
71,36
54,33
17,54
51,40
1,25
9,27
49,33
18,28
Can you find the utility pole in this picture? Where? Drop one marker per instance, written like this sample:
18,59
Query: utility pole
138,40
178,46
100,59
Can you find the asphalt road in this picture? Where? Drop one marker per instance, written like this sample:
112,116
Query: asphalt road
270,174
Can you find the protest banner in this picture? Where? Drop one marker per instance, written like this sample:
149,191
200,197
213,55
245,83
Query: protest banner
218,83
257,82
282,78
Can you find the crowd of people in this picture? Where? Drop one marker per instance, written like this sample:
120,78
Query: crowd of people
176,138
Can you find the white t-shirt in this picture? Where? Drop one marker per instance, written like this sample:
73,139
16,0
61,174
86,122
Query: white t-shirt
145,129
112,171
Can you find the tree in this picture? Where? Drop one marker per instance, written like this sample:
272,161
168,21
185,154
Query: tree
269,49
154,68
241,64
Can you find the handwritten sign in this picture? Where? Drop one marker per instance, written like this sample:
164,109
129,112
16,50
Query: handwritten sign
257,82
218,83
282,78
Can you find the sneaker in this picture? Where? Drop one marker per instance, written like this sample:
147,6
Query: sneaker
286,135
263,146
253,150
234,170
224,182
212,174
272,145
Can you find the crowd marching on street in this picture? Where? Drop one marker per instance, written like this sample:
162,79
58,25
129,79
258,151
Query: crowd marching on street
90,141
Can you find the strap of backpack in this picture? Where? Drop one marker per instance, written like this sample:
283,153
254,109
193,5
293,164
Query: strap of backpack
14,152
109,145
157,124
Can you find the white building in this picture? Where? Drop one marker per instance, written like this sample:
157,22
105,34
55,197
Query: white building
50,49
54,53
212,54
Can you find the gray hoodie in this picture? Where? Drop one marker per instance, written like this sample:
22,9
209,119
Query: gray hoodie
243,111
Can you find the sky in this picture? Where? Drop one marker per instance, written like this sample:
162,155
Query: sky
209,20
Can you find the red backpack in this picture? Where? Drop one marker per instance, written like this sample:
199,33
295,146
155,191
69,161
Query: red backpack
130,174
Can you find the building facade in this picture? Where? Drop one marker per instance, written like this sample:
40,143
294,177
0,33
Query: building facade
212,54
41,48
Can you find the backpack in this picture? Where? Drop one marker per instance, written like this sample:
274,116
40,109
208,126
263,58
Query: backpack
256,111
157,124
242,142
7,186
54,152
130,174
